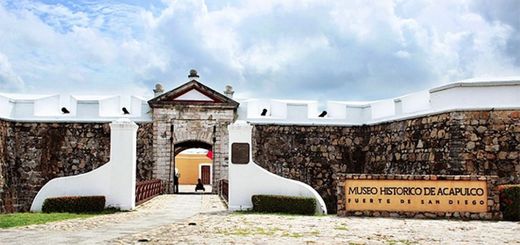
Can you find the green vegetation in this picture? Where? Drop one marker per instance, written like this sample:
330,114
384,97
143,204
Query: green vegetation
74,204
284,204
341,228
249,231
23,219
251,212
404,242
268,231
510,201
292,234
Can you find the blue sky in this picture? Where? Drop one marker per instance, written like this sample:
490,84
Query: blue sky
306,49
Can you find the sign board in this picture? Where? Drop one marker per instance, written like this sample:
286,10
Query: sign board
416,195
240,153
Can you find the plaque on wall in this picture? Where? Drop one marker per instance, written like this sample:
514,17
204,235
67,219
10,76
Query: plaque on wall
416,195
240,153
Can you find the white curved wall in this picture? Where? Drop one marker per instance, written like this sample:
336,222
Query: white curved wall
246,180
115,180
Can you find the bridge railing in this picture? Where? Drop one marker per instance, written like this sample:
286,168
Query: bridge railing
223,190
147,189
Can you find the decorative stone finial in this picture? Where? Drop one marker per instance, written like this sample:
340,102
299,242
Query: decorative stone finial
193,74
158,89
229,91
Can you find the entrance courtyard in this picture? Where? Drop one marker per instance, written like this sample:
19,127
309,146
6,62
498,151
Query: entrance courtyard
203,219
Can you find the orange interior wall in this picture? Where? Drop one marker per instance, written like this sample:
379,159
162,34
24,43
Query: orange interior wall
188,167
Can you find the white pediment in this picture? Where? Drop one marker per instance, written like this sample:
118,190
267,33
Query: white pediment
194,95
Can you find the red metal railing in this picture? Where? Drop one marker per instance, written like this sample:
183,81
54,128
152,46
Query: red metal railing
223,189
146,190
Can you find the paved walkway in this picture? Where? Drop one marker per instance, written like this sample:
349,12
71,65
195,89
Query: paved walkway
201,219
160,211
247,228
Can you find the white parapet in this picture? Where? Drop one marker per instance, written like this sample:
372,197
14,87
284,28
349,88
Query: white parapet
476,95
6,106
246,180
115,180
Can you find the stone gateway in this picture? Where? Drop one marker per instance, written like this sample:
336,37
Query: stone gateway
191,116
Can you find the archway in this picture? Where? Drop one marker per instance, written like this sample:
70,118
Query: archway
188,144
191,116
192,166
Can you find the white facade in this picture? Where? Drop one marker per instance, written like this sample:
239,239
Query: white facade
475,94
115,180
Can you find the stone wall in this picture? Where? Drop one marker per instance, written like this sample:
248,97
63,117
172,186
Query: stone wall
311,154
4,127
453,143
145,161
35,153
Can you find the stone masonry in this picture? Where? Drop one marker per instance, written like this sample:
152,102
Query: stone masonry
197,122
4,127
145,161
191,123
452,143
31,154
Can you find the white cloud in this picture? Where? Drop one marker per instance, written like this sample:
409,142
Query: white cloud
299,49
81,57
402,54
9,80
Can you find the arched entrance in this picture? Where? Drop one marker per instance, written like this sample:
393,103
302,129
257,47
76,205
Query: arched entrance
192,163
191,116
190,144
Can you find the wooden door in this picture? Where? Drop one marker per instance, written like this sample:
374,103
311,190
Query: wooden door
206,174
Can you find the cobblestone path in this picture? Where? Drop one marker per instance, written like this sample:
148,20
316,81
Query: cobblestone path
243,228
157,212
202,219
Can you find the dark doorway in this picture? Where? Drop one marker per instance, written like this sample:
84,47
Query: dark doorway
206,174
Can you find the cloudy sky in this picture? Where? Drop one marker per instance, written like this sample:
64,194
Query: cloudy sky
319,49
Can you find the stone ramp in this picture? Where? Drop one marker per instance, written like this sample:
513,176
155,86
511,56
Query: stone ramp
162,210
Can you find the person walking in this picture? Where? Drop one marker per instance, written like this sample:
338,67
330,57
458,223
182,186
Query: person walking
176,182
